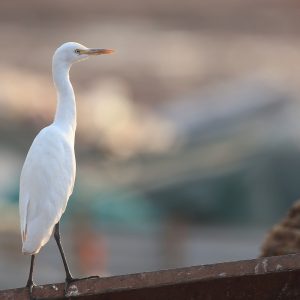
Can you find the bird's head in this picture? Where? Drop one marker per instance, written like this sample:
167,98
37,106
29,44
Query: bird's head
73,52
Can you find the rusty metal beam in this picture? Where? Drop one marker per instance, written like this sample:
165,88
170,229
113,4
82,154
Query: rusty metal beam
264,279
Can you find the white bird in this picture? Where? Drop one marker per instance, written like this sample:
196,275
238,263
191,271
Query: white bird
48,174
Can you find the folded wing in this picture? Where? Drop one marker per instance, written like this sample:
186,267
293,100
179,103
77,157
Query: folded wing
46,183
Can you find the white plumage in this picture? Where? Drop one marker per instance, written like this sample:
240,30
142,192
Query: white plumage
46,184
48,174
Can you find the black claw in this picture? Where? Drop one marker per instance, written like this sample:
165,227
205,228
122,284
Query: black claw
92,277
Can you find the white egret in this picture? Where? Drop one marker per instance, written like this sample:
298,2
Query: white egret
48,174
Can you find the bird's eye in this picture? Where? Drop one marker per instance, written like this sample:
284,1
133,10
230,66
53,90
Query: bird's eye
77,51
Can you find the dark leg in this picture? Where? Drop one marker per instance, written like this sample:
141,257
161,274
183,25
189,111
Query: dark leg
69,277
30,284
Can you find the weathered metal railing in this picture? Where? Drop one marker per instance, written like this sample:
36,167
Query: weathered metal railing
272,278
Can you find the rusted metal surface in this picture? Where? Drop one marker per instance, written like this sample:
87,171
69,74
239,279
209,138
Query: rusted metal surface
266,278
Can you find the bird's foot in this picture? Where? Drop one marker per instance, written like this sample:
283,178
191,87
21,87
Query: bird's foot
30,284
68,281
68,289
90,277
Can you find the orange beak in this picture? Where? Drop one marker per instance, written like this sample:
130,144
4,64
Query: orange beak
96,51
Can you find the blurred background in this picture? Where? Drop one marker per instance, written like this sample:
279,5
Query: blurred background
188,141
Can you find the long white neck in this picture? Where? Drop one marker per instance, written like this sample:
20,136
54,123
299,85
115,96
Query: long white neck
65,116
